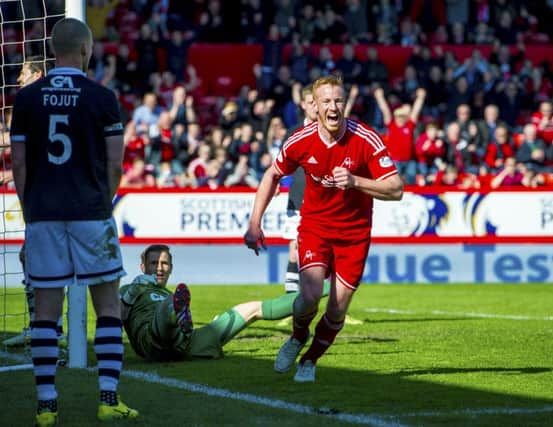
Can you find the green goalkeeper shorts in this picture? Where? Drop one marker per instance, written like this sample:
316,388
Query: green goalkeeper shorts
208,341
204,342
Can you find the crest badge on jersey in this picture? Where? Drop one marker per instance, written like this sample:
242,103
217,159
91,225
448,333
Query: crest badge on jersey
347,163
385,162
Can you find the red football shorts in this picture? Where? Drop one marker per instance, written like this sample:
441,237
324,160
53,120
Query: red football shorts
346,259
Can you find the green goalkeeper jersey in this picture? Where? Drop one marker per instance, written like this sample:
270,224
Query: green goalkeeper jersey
154,334
143,295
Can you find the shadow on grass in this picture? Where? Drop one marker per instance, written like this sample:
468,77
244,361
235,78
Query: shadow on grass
394,395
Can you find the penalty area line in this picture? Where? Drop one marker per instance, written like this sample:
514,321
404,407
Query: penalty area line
458,313
363,419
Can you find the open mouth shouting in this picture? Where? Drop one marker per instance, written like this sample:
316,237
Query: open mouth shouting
333,120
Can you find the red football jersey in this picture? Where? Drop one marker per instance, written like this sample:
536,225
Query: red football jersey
327,209
401,140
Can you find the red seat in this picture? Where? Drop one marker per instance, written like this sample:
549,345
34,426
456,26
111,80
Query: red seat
225,86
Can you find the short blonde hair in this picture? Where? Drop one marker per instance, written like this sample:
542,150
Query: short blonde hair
327,80
305,91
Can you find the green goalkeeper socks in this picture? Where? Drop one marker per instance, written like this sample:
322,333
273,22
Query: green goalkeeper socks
278,308
283,306
227,325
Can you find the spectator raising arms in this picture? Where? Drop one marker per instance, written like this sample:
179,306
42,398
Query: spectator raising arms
401,128
401,47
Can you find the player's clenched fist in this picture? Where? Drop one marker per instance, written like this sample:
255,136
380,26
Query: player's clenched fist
253,238
342,178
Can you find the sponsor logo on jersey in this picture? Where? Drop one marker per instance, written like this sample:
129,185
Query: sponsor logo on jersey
385,162
157,297
312,161
61,84
62,81
114,127
308,255
326,181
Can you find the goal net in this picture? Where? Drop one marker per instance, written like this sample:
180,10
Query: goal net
25,28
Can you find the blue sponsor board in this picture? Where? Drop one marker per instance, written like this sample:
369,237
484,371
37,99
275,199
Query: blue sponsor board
418,263
454,263
387,263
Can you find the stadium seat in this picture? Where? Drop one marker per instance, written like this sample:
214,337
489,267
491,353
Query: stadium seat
225,86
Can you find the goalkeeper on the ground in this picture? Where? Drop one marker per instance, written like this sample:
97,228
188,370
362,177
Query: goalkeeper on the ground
159,323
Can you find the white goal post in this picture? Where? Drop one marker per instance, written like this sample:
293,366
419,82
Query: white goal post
76,313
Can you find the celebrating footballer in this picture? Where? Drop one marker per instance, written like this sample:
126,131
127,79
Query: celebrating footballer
346,166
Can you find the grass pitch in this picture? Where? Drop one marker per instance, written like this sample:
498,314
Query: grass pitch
424,355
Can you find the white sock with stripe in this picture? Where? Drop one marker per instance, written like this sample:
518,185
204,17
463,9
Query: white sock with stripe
108,345
44,351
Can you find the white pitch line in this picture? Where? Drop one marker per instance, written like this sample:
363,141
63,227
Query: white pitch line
459,313
154,378
377,420
473,411
259,400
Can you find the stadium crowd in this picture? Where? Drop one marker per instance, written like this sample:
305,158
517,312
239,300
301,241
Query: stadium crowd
483,122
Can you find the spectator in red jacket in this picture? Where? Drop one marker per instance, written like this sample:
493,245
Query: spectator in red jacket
138,176
498,151
135,145
198,167
164,144
543,120
401,126
430,150
509,175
